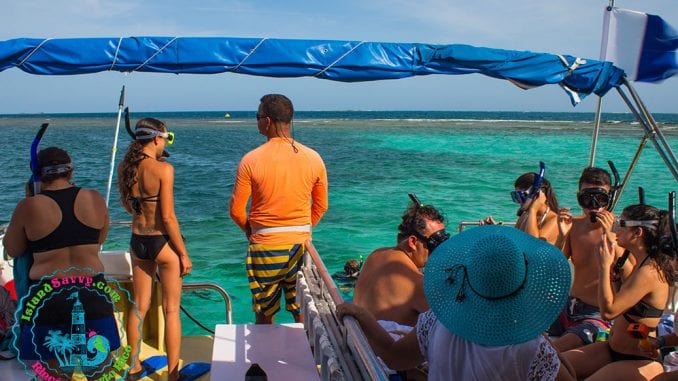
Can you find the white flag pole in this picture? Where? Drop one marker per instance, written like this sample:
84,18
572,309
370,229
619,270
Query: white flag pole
121,104
599,107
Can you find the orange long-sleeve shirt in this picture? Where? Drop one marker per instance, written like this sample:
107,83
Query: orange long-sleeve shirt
287,189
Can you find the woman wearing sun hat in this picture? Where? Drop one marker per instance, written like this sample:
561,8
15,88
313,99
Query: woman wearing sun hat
493,290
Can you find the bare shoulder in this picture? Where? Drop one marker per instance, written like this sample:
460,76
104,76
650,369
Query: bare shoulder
579,221
163,168
33,204
388,256
24,206
92,195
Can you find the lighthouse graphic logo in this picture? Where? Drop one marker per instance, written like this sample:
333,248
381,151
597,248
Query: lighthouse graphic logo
77,348
69,329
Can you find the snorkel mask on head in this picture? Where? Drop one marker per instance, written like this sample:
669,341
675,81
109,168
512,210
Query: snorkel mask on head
150,134
520,197
128,127
434,240
616,269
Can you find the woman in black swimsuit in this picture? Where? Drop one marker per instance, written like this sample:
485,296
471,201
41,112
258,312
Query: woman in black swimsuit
146,184
640,300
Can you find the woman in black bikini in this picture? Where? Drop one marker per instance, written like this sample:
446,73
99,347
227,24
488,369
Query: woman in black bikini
146,185
640,300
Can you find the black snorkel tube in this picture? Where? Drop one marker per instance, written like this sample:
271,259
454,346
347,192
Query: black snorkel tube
415,200
128,124
672,218
614,192
614,189
35,173
128,127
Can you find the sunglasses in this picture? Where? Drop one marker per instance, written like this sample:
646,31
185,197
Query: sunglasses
434,240
519,197
169,136
259,117
593,198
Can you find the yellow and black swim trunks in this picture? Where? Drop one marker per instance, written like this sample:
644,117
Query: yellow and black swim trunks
270,270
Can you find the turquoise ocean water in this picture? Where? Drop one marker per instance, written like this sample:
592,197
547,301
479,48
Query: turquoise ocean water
462,162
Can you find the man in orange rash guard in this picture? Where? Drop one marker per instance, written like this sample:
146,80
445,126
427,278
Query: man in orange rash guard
288,185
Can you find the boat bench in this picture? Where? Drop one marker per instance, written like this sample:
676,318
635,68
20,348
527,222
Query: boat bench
282,351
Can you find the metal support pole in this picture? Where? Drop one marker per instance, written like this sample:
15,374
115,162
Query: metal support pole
596,130
650,133
627,176
652,123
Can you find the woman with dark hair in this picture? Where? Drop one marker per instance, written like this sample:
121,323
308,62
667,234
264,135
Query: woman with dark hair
640,301
540,215
63,227
146,184
36,219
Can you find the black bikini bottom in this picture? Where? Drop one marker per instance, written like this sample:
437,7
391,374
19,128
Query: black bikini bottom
147,247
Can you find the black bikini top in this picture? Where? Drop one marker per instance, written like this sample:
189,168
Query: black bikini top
70,232
137,201
642,309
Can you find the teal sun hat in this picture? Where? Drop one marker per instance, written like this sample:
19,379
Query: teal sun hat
496,285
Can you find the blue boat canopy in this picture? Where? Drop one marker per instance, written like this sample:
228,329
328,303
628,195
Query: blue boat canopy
347,61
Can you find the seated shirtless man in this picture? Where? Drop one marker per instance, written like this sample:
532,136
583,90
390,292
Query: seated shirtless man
391,284
580,322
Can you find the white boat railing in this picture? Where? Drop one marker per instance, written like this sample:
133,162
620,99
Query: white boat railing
217,288
341,347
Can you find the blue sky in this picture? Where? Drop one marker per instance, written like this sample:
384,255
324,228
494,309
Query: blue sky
570,27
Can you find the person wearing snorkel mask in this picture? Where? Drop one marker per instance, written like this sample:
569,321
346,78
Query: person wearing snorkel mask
635,303
390,284
539,214
146,186
580,322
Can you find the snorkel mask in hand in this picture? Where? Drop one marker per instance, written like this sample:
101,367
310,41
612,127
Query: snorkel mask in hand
520,197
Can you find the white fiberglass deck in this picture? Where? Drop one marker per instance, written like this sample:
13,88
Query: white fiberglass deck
282,351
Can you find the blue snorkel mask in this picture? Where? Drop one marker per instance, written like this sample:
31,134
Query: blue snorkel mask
520,197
